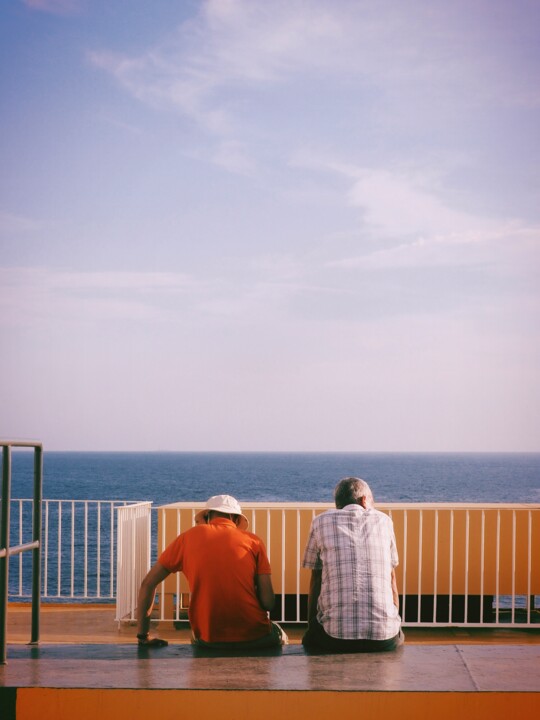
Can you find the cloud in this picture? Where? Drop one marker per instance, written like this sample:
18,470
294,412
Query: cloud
232,156
401,205
55,7
508,250
34,295
238,71
228,44
405,220
119,281
11,224
28,295
247,44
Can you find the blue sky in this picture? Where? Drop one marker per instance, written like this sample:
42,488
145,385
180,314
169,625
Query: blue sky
266,225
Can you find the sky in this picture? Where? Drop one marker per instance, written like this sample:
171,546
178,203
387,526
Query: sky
270,225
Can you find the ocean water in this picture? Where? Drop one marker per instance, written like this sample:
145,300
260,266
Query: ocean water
185,476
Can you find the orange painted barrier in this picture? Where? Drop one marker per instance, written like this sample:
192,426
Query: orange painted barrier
454,559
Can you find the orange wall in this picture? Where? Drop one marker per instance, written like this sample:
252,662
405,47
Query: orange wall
89,704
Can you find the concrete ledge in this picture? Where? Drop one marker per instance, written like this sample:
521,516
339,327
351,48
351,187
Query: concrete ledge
61,682
413,668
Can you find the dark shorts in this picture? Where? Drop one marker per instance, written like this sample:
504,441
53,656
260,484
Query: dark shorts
317,639
275,638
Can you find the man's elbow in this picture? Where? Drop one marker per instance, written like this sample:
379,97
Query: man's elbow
145,586
149,583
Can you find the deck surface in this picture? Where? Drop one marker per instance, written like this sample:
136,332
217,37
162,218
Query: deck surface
95,624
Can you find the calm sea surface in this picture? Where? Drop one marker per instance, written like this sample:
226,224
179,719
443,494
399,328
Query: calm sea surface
186,476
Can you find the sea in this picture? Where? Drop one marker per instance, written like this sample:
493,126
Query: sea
165,477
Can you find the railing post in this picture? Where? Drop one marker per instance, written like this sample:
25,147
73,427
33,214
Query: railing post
6,551
4,546
36,552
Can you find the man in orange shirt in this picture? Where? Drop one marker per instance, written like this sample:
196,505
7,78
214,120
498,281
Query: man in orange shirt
229,579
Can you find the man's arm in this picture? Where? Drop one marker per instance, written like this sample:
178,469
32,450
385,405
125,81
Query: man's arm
314,592
395,594
265,591
145,604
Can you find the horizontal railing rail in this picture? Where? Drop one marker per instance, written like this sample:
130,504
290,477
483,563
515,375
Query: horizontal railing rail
17,549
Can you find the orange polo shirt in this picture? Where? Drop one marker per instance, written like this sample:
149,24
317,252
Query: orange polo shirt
220,563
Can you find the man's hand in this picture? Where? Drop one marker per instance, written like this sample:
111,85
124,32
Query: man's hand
151,642
146,601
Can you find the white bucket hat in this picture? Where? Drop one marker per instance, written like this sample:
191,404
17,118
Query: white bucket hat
225,504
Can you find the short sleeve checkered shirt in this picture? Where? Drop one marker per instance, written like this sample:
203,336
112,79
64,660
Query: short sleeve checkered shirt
356,550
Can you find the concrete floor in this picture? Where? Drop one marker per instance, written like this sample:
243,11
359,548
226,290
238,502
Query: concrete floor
95,624
82,647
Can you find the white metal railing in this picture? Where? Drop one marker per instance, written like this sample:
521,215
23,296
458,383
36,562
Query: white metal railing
133,556
484,565
78,549
469,565
460,564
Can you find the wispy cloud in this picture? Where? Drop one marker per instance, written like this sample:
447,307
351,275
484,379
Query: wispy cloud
409,221
228,44
165,282
232,156
11,224
401,205
408,70
56,7
29,295
32,294
253,292
247,44
508,250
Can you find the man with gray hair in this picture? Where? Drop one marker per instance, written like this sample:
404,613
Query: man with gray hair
353,603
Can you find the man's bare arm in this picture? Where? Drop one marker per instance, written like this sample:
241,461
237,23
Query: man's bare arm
145,603
265,592
395,594
314,592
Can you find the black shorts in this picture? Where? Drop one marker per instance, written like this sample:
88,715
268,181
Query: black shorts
316,638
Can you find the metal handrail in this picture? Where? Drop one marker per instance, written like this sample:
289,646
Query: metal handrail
35,546
17,549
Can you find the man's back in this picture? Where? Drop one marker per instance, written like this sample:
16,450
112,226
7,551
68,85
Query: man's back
221,563
356,550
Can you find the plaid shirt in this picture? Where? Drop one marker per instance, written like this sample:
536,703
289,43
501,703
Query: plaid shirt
356,550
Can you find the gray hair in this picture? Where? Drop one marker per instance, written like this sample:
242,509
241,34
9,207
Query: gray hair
349,491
